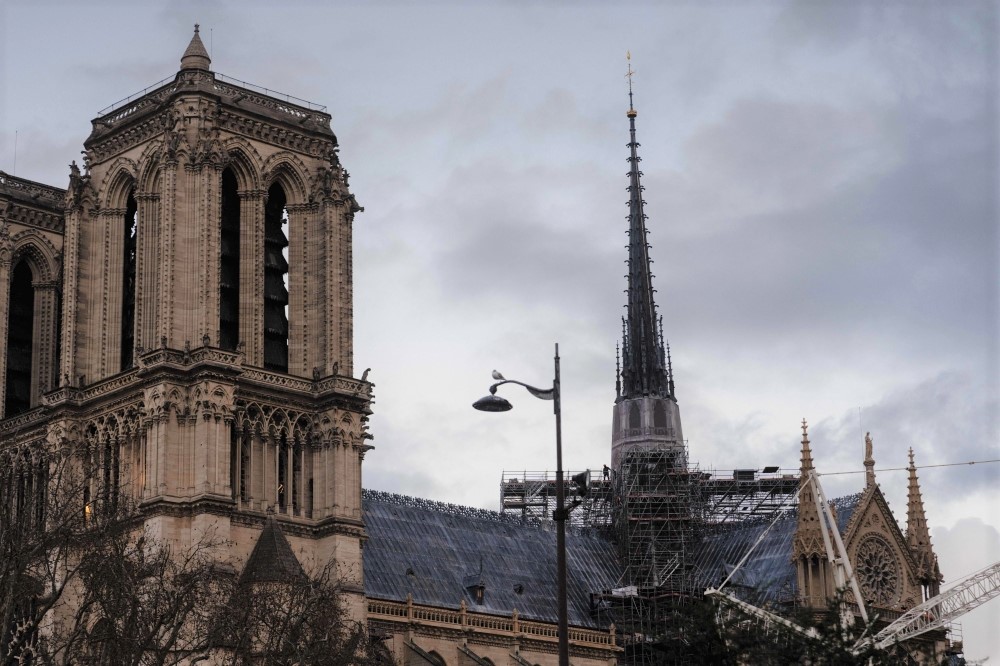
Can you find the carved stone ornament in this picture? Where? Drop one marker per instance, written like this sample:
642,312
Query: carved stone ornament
878,572
80,188
6,245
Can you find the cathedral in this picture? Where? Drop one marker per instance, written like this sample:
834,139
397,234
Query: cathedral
180,319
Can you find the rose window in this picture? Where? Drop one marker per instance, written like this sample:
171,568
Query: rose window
878,572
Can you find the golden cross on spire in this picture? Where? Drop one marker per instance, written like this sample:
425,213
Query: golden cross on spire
628,75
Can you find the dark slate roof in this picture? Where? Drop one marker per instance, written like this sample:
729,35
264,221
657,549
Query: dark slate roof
272,559
768,576
433,550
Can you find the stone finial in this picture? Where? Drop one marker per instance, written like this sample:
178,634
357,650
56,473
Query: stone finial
869,462
808,537
806,459
196,56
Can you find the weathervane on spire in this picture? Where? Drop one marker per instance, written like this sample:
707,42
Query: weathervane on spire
628,75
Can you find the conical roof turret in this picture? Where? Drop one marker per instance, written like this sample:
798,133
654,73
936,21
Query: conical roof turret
196,55
644,370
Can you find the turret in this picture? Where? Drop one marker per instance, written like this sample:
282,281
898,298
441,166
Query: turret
815,578
918,536
195,56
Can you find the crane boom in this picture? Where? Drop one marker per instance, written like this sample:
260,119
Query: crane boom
969,593
767,616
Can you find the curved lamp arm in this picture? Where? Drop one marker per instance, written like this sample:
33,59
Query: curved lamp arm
544,394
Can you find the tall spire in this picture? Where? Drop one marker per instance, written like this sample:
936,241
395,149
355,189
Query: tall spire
808,532
643,367
917,534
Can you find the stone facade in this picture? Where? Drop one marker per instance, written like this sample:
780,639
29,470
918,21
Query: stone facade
129,367
190,300
895,571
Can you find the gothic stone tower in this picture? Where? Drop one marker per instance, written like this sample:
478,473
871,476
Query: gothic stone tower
206,335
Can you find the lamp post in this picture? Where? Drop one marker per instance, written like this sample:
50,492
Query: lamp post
494,403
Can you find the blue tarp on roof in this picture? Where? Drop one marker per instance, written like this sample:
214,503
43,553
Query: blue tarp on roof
433,550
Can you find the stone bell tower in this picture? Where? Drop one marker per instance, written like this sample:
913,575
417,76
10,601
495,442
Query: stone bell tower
206,361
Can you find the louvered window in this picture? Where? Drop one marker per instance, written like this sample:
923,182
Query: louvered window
229,273
131,230
275,281
20,332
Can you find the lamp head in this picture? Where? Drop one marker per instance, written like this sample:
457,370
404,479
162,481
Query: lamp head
492,403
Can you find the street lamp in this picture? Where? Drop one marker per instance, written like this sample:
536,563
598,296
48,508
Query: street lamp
494,403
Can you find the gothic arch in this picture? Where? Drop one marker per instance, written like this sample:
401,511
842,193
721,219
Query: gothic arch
41,255
148,171
290,172
280,423
118,182
245,162
302,430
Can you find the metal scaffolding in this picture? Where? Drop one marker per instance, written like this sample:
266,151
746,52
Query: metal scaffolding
736,495
656,513
658,508
531,496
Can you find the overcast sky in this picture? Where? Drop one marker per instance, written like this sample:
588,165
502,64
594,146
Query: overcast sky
821,182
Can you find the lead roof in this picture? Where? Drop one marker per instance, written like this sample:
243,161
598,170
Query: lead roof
434,550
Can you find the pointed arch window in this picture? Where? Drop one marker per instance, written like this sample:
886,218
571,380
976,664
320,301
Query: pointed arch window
20,336
276,280
130,225
229,270
659,415
634,419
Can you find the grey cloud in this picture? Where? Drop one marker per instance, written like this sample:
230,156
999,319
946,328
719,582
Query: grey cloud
949,418
908,248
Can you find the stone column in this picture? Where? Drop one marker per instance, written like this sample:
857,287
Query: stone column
252,275
111,304
6,252
70,301
147,271
44,375
166,243
337,272
345,319
300,287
